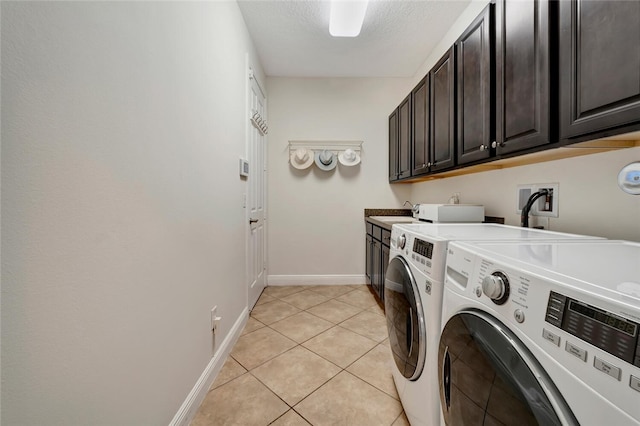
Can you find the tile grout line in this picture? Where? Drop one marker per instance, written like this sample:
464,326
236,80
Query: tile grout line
321,356
300,344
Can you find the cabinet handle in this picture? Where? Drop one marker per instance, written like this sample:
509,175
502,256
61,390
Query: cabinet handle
429,164
483,147
252,221
494,144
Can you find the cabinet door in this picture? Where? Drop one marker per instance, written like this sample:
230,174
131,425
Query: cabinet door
599,66
368,258
377,279
443,112
523,97
404,138
393,146
421,129
384,261
474,50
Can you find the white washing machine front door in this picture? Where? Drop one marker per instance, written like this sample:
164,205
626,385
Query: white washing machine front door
488,377
405,319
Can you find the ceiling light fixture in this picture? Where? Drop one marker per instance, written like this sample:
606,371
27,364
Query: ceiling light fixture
347,17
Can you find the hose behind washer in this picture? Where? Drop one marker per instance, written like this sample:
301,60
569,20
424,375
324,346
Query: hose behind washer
524,218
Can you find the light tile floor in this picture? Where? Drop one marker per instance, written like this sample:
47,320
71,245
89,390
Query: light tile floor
314,355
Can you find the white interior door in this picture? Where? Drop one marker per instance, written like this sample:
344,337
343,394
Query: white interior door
256,200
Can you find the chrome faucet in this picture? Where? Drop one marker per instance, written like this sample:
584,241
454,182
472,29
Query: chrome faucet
414,207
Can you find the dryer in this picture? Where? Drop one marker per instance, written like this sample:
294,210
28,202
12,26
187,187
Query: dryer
541,333
413,303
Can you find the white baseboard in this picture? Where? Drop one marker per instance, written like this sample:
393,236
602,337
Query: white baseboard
276,280
190,406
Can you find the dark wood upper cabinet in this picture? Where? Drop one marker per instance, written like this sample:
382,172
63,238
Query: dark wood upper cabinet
443,120
421,128
393,146
475,89
599,68
404,138
524,99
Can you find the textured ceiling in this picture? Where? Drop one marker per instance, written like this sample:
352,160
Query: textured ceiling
292,37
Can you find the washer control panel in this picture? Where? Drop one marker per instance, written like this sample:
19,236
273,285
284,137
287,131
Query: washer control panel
422,252
609,332
423,248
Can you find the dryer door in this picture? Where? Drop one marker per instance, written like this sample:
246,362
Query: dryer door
405,319
488,377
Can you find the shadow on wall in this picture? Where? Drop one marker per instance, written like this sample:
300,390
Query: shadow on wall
344,172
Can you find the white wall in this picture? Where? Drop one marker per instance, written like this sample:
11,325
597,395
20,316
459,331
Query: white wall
590,201
316,218
122,219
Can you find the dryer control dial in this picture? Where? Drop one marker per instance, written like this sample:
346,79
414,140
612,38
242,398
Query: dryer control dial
496,287
401,241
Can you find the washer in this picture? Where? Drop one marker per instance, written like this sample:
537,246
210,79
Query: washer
413,303
541,333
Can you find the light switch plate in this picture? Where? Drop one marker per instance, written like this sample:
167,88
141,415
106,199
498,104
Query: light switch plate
244,167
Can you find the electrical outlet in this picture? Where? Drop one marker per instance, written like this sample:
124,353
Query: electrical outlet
544,206
215,319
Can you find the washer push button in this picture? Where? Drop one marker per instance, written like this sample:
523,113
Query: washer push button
606,368
576,351
553,338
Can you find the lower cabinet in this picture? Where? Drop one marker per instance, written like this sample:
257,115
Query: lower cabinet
369,250
377,258
384,262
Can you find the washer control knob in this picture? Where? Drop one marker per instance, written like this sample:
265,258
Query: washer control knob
493,286
496,287
519,315
401,241
478,291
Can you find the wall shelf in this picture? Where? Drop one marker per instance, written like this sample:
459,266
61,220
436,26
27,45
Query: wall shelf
318,145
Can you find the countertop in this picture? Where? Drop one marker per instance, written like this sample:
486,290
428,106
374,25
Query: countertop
372,216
